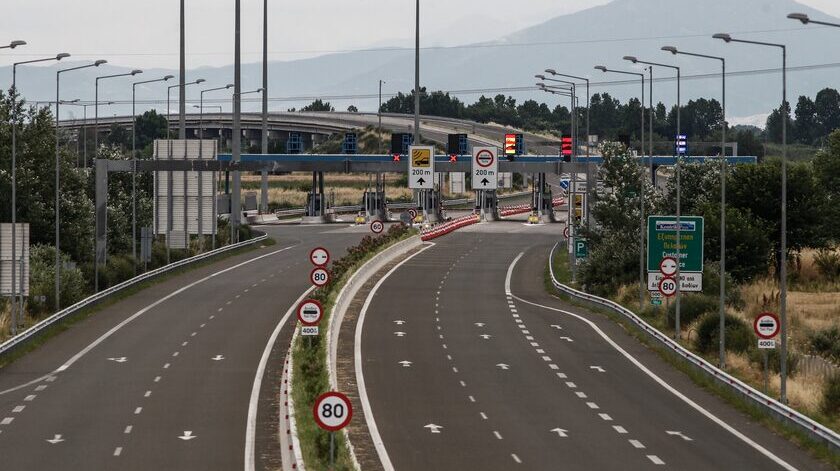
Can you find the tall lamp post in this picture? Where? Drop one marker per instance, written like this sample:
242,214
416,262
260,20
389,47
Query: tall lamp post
96,105
201,107
379,116
642,284
58,178
723,168
783,249
134,164
590,183
58,57
417,74
677,177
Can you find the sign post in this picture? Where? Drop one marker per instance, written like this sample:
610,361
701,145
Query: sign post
766,326
332,411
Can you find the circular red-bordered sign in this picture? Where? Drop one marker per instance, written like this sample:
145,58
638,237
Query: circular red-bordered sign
319,256
668,266
766,325
332,411
319,276
377,227
566,232
412,213
668,286
310,312
484,158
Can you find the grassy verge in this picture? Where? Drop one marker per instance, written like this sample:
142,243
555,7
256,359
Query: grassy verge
818,449
310,365
85,313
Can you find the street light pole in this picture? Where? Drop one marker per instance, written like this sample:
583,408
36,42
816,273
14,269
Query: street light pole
642,284
264,173
782,256
379,115
134,165
590,184
723,170
12,45
236,136
417,75
58,178
182,109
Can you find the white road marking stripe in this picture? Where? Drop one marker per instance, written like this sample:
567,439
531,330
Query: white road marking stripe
580,394
157,378
184,344
30,397
636,443
463,384
540,350
41,387
175,354
571,384
18,409
606,417
652,375
449,357
655,459
166,366
147,394
137,314
526,332
515,458
202,326
619,429
483,415
529,337
7,420
220,309
384,459
535,344
118,451
497,434
128,429
193,334
555,367
472,399
138,410
454,370
561,375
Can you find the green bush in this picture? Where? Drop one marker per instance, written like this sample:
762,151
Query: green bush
118,269
826,343
831,397
692,306
42,280
774,360
738,334
828,263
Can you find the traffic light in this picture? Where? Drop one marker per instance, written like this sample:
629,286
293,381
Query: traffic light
350,144
514,145
400,141
457,144
566,148
681,145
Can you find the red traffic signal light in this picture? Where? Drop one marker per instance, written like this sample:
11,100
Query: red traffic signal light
566,148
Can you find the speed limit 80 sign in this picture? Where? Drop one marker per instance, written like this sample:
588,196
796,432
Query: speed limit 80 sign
332,411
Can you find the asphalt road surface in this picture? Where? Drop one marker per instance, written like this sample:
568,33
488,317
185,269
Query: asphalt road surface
466,371
163,378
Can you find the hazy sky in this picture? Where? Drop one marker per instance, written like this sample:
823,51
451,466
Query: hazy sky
145,33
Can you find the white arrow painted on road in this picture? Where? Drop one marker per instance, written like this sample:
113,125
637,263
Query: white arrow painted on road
399,322
485,336
56,439
678,434
555,326
597,368
399,334
480,324
568,339
434,428
187,435
218,358
560,432
405,363
503,366
119,359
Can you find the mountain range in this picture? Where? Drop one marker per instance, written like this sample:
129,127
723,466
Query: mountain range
572,44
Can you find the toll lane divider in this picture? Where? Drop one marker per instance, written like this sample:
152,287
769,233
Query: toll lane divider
525,208
448,226
750,395
34,331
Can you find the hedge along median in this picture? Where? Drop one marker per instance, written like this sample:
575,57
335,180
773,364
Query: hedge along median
310,370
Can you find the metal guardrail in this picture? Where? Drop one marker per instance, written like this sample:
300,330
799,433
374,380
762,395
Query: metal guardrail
749,394
33,332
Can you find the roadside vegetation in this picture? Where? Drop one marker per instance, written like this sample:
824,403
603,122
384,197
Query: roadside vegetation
310,374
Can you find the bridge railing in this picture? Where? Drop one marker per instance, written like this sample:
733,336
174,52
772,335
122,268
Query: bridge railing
750,395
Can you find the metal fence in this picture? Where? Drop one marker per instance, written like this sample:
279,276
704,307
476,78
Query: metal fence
750,395
37,329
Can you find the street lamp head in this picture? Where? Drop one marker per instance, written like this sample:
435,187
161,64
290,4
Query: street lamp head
16,43
551,71
165,79
801,17
540,85
631,59
200,81
61,56
539,76
136,71
100,62
228,86
670,49
724,36
601,68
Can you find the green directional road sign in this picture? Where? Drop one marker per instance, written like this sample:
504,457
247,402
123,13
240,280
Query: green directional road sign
581,248
662,242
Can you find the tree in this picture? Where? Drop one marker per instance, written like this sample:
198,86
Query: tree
150,126
827,104
352,109
774,124
318,105
827,172
806,128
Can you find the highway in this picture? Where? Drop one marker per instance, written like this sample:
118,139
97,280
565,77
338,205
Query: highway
163,379
474,366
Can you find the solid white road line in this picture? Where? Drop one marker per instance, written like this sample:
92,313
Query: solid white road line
67,364
764,451
360,377
251,423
